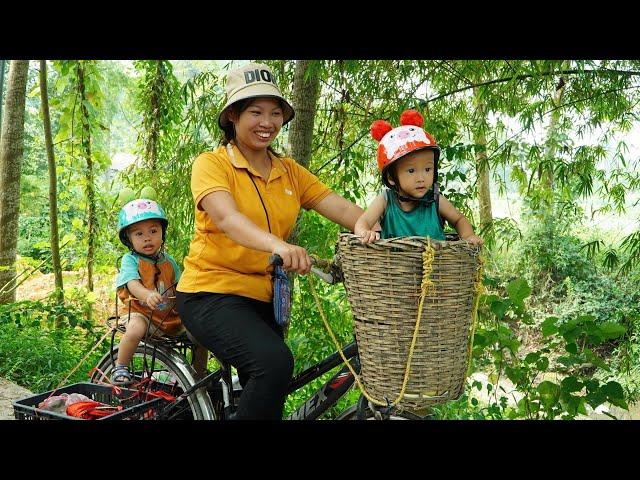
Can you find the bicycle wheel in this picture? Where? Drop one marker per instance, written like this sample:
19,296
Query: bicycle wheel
351,413
169,369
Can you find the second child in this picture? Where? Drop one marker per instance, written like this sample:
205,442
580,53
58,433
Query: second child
146,281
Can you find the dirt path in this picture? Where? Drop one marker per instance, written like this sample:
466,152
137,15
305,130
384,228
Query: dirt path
9,393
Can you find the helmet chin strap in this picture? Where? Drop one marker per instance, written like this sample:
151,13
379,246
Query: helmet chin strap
155,257
424,199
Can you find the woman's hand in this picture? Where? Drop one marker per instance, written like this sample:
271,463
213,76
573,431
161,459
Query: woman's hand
294,258
475,240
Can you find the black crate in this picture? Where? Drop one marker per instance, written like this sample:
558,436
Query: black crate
134,406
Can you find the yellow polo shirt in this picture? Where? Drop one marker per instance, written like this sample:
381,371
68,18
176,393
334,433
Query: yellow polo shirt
216,263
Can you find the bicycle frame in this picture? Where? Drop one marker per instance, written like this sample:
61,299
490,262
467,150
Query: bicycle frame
215,394
220,387
332,390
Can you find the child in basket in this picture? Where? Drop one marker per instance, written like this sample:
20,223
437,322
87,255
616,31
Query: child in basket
411,205
146,281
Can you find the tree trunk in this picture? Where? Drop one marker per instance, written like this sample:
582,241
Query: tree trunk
545,172
152,145
482,167
11,150
1,93
91,200
53,187
305,98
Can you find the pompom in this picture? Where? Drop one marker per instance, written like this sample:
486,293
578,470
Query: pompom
411,117
379,129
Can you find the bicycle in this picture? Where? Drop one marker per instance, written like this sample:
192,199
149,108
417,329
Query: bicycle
163,364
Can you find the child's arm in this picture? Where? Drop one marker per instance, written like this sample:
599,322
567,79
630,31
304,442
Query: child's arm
142,293
458,221
368,219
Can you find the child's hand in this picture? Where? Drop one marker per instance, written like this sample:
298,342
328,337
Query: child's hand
475,240
367,236
153,299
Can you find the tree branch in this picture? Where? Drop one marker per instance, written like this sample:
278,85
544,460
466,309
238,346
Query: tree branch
629,73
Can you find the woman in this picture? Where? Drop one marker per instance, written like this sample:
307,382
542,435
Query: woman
247,199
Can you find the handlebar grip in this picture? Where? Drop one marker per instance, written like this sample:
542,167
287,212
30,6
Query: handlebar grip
275,260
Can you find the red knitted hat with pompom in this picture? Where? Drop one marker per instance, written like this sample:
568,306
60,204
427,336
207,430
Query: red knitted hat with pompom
398,142
379,129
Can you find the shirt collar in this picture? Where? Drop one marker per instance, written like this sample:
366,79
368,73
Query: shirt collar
238,161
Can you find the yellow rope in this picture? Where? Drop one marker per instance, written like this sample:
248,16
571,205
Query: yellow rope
427,288
338,347
479,289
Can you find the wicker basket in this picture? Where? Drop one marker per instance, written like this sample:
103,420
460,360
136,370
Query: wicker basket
383,283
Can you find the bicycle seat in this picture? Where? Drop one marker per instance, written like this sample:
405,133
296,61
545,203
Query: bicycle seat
184,339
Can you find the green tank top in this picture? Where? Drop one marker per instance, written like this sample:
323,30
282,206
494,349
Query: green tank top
422,221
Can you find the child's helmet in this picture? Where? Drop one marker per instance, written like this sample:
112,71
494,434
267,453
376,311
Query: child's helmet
397,142
136,211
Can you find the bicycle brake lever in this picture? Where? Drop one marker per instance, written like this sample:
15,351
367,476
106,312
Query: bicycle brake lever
327,277
276,259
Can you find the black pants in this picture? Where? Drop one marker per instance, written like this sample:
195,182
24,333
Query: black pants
243,332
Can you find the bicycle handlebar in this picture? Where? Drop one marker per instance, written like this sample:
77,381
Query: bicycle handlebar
276,260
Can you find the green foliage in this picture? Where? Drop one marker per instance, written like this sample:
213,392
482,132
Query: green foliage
625,360
36,355
549,254
308,338
552,153
601,296
631,244
33,239
159,102
541,397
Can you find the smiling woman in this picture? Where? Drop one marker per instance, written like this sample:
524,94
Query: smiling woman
247,199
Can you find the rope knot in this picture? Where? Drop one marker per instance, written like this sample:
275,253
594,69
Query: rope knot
428,288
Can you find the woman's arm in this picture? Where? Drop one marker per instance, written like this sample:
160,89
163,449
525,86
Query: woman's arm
458,221
339,210
222,209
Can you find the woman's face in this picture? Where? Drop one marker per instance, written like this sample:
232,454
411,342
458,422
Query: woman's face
258,124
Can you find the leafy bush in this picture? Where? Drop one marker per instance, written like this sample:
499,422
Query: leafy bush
625,362
496,344
601,296
33,240
548,256
36,355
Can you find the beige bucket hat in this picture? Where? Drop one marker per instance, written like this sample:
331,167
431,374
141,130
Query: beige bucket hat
250,81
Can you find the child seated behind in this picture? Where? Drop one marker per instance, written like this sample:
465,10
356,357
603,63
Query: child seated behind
146,281
411,205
